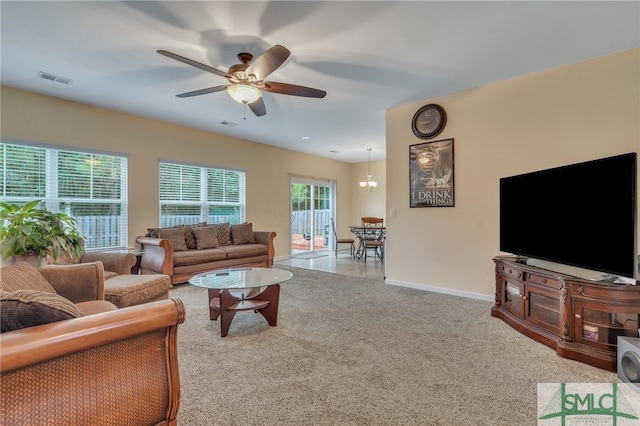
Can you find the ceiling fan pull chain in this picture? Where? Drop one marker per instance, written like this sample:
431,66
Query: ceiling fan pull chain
245,111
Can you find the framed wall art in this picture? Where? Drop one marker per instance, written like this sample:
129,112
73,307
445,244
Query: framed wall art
431,174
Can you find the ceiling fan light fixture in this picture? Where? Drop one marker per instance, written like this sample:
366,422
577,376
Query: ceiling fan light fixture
244,93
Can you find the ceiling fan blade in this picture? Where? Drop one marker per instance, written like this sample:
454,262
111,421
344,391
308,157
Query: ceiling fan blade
202,91
194,63
292,89
268,62
258,107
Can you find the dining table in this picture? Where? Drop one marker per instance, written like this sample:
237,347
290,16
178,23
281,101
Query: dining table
367,233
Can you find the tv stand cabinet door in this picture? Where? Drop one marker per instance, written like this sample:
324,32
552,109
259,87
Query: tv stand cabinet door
512,295
545,308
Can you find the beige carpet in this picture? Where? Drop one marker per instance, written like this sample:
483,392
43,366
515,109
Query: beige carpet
354,351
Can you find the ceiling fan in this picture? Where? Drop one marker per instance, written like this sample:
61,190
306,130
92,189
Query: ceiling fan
246,80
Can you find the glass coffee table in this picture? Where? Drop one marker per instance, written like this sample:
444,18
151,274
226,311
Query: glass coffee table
242,289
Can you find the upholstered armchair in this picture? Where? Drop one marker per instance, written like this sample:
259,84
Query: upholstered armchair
101,366
122,288
119,263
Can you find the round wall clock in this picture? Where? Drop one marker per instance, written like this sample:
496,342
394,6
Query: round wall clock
429,121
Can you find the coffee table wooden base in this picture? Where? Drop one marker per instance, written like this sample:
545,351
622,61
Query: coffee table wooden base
223,304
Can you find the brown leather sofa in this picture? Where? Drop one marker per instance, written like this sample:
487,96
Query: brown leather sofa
109,366
160,256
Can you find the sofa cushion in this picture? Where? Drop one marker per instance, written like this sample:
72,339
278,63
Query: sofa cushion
175,236
206,237
195,257
110,274
129,290
224,234
28,308
242,234
91,307
245,250
23,276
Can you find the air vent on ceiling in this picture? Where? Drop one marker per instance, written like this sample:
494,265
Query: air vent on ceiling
56,78
228,123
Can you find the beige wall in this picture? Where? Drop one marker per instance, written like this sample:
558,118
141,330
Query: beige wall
365,203
31,117
556,117
561,116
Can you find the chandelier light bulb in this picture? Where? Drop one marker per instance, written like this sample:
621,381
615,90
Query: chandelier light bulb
369,184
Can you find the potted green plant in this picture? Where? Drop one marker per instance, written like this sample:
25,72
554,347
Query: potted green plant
31,233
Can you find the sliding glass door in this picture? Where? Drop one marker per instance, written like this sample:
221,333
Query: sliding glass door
310,215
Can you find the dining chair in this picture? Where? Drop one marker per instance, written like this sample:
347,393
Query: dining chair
373,236
337,240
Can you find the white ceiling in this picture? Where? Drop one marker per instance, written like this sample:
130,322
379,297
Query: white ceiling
368,56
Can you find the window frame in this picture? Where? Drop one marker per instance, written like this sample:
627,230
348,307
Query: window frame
203,204
50,191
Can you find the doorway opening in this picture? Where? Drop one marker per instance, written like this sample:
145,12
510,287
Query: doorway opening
310,218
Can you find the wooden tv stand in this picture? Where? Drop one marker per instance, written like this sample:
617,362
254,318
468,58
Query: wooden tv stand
580,319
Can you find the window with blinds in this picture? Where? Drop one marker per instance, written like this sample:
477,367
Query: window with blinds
88,186
191,194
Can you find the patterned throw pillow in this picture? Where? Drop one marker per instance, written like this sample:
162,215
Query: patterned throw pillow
27,308
23,276
152,232
175,236
206,237
189,238
189,235
224,234
242,234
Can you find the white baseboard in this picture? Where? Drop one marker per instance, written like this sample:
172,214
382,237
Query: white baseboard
467,294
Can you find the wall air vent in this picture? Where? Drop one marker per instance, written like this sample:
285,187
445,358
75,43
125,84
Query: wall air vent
56,78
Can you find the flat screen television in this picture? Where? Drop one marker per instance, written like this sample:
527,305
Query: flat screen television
582,215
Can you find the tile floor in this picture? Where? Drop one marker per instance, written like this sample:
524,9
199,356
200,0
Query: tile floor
344,264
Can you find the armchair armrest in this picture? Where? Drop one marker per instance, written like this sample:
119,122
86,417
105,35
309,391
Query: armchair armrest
126,359
80,282
114,262
157,257
266,238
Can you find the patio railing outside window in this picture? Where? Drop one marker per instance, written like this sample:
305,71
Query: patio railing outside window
191,194
91,187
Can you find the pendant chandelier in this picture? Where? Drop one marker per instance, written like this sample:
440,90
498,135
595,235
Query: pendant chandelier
369,184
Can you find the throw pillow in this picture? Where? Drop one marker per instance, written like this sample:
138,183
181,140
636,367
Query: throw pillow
206,237
27,308
189,235
175,236
187,229
23,276
224,234
242,234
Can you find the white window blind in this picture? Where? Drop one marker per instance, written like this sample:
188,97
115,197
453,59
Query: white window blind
90,187
191,194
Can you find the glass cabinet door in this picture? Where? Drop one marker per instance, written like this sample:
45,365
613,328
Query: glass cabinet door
603,324
544,308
